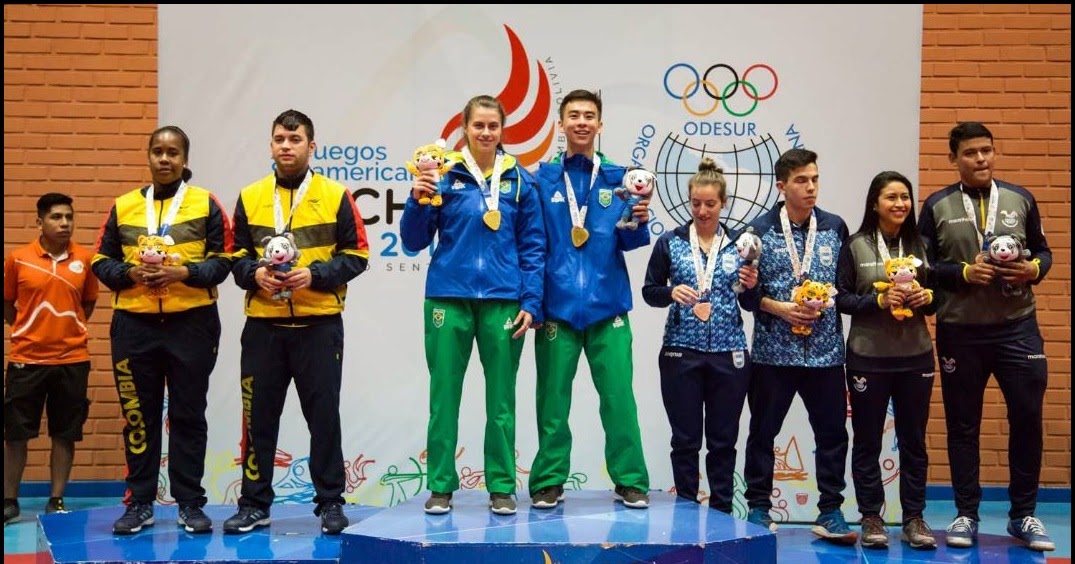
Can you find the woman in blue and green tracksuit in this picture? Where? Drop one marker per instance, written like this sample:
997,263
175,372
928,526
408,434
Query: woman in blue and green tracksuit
484,284
705,366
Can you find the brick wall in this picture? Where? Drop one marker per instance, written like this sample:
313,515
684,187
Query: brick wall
80,100
80,92
1008,66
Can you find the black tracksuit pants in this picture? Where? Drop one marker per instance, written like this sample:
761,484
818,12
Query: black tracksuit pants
151,352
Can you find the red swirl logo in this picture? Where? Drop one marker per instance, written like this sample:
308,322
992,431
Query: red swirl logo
519,137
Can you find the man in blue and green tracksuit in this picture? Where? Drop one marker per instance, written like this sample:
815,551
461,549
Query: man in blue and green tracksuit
587,297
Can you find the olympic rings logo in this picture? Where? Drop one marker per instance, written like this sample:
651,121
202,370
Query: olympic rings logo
722,95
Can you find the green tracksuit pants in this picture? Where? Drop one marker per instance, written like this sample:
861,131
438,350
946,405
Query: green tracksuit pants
608,350
451,327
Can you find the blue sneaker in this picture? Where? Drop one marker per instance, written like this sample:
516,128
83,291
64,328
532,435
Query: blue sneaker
962,533
832,527
760,516
1030,530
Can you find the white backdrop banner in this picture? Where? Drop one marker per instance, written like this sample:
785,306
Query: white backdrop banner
739,84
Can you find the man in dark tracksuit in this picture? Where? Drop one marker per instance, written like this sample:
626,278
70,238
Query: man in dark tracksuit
987,324
800,242
299,337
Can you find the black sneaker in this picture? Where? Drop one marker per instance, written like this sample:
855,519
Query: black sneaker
139,514
11,511
247,519
193,519
333,521
55,505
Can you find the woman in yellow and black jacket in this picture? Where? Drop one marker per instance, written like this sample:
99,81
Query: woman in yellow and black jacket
165,326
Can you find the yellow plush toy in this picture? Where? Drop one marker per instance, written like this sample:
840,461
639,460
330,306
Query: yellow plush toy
901,273
813,295
431,157
153,251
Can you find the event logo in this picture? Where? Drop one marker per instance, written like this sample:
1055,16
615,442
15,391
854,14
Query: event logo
520,134
748,169
682,82
709,123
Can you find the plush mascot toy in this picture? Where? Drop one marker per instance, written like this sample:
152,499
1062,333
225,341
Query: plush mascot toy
901,273
815,296
638,184
153,251
431,157
748,245
280,255
1002,249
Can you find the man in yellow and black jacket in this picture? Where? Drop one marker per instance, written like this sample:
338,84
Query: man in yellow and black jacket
298,337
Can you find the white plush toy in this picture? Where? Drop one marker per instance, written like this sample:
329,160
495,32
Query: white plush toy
748,245
280,255
638,184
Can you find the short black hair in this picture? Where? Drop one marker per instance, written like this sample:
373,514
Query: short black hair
292,119
791,160
45,203
581,96
964,131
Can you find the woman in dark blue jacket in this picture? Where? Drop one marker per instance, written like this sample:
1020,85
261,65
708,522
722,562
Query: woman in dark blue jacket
705,366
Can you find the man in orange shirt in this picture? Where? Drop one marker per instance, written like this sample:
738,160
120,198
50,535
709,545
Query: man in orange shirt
49,293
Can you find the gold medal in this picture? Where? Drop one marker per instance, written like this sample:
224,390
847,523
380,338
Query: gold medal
702,310
579,236
492,219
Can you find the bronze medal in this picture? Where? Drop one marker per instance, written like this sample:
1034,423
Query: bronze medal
702,310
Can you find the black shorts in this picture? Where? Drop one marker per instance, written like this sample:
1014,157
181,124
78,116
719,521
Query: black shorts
60,388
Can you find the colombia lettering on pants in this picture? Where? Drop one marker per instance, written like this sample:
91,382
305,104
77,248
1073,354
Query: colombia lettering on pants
150,352
272,356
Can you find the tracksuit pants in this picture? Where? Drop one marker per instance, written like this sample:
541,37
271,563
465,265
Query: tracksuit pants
151,353
451,328
557,349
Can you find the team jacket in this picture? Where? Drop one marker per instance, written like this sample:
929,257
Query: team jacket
588,284
203,240
471,260
952,243
328,232
774,343
878,342
672,264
